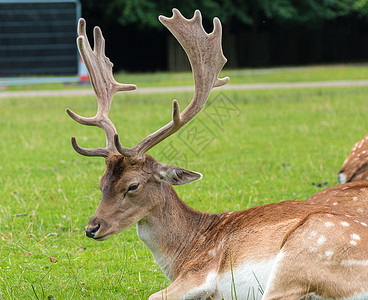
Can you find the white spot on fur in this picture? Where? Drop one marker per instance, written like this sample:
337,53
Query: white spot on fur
364,224
354,262
313,234
313,249
321,240
329,224
354,236
345,224
329,254
353,243
355,198
335,203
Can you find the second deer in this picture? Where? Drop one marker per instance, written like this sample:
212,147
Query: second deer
355,166
352,193
286,250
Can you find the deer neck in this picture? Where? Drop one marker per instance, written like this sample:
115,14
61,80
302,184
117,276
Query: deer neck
169,230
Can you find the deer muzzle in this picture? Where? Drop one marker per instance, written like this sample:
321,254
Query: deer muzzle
98,229
91,232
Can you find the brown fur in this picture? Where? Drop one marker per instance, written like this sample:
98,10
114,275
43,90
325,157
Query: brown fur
321,259
352,196
195,243
355,166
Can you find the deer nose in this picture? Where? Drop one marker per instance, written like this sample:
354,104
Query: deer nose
91,232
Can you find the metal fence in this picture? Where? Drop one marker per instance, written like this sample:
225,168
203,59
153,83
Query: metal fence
38,37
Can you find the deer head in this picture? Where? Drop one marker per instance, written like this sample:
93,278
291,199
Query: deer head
133,183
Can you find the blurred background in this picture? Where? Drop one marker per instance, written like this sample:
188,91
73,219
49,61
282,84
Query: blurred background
257,33
38,37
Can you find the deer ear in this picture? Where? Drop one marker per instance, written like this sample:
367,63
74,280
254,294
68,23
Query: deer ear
176,175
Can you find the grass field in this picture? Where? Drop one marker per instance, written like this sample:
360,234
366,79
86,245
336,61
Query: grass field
294,74
269,146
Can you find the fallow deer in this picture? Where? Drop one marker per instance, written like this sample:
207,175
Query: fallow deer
355,166
352,193
290,249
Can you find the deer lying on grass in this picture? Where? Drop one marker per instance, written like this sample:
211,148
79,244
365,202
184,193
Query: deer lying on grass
355,166
290,249
352,193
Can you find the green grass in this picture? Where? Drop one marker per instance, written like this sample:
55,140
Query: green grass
273,146
295,74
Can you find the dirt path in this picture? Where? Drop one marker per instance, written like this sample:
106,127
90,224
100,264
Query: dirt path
177,89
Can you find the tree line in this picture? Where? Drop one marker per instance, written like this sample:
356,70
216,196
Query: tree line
247,24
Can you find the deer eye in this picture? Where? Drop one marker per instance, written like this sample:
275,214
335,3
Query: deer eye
133,187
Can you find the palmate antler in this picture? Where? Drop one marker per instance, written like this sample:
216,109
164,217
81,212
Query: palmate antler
206,58
105,86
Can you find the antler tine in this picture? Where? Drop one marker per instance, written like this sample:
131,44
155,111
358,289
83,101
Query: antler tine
105,86
206,58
